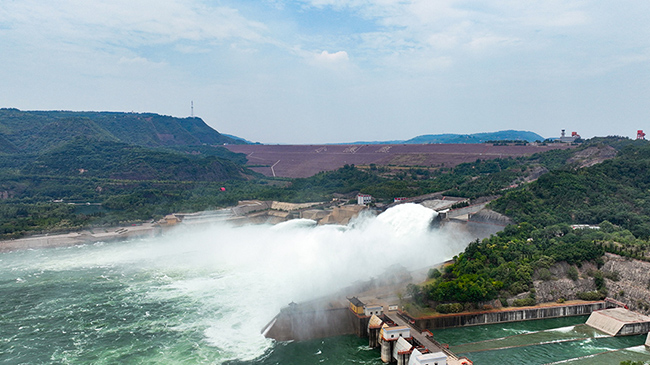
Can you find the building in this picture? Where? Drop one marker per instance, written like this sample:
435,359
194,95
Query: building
170,220
564,138
363,199
370,310
399,200
357,306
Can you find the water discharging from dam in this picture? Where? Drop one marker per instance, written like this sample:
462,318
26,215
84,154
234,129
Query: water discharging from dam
549,341
200,295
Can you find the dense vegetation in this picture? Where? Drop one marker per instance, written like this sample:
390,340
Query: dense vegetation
131,183
504,264
127,182
617,190
33,131
613,194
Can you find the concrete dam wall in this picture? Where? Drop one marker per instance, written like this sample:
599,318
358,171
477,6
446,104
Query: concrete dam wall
473,319
305,324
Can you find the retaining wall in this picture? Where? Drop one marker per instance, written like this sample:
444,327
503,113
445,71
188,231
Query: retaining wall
474,319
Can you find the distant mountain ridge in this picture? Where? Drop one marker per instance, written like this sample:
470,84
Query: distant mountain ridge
116,160
112,145
507,135
34,131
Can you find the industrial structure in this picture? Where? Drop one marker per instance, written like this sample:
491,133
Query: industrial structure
640,134
399,341
564,138
364,199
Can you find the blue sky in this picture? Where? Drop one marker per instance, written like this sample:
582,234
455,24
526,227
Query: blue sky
318,71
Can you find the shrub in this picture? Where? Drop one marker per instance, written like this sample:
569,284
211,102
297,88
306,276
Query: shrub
524,302
545,274
449,308
434,274
591,295
612,275
572,273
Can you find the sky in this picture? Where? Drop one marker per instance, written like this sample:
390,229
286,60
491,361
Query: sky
329,71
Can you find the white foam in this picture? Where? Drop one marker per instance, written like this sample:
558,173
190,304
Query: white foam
241,276
567,329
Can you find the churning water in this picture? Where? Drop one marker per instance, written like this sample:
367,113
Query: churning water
200,295
550,341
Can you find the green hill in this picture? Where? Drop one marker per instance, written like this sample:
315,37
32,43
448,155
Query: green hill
32,131
509,135
616,190
115,160
613,196
6,146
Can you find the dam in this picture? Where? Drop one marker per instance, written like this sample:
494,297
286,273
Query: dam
403,340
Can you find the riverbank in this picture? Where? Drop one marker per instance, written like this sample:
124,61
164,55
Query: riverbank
246,212
80,238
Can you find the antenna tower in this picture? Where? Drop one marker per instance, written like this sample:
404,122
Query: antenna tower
640,134
192,114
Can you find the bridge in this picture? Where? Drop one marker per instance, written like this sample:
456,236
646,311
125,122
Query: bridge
425,339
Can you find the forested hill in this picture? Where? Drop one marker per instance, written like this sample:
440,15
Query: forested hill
542,251
87,158
616,190
510,135
33,131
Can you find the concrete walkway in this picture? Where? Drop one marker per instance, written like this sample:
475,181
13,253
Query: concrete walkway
426,341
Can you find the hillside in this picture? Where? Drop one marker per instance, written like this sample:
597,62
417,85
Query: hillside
543,257
306,160
617,190
33,131
114,160
509,135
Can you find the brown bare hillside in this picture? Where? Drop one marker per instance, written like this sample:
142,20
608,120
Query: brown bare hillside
307,160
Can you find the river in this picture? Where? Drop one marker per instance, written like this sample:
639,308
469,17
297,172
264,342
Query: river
201,295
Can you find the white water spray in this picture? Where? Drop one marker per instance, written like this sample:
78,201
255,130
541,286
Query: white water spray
238,278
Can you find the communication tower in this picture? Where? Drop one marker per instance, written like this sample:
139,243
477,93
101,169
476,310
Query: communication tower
192,112
640,134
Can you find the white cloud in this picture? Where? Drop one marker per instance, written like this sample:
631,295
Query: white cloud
336,57
138,61
125,23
